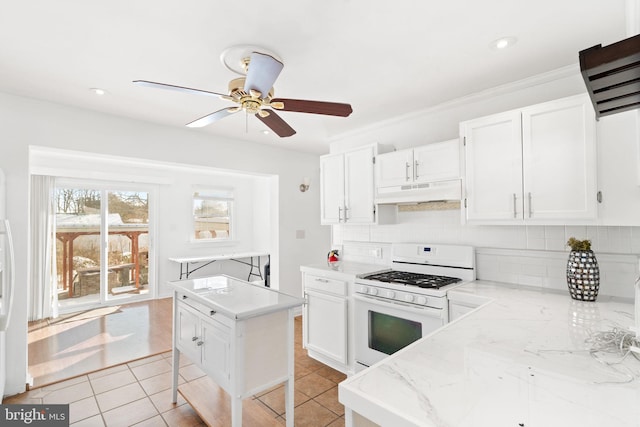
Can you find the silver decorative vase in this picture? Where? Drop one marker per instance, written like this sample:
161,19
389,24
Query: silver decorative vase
583,275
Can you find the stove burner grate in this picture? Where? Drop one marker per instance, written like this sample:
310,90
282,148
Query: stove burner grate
412,279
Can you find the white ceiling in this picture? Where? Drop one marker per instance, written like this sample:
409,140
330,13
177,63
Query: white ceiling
385,58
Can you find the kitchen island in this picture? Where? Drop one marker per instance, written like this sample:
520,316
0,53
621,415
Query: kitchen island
525,358
240,334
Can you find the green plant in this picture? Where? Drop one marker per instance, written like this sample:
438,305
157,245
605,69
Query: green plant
579,245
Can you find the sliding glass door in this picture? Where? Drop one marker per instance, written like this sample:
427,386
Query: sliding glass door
102,244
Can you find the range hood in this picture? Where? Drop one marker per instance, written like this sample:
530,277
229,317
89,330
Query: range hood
612,76
420,192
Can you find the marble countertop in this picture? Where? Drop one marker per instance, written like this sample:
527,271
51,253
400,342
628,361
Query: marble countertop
525,358
235,298
343,268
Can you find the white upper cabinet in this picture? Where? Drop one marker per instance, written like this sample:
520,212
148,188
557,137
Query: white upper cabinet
537,164
439,161
331,188
559,153
619,168
395,168
359,186
493,167
347,187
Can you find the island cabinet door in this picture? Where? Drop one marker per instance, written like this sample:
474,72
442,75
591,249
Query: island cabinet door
216,347
327,325
188,332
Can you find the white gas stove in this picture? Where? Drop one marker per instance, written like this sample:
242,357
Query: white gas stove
420,270
397,306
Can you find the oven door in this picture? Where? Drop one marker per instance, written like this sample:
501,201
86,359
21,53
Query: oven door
383,327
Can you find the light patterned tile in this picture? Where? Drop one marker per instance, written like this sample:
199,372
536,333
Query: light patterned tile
108,371
313,385
130,413
69,394
83,409
151,369
120,396
112,381
274,400
329,399
191,372
312,414
182,416
159,383
95,421
162,401
146,360
156,421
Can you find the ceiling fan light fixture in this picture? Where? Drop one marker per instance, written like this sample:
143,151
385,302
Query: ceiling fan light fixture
236,58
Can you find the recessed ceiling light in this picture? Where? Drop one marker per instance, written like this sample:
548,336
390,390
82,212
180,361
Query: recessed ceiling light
266,132
503,43
98,91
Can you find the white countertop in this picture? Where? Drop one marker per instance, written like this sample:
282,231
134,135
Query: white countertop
235,298
343,268
519,360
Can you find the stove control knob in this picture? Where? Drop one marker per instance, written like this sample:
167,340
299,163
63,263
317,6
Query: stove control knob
373,291
422,300
390,294
364,290
409,298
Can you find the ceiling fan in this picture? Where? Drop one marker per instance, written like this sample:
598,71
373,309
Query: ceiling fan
254,94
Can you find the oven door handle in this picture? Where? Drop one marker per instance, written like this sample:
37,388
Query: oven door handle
422,310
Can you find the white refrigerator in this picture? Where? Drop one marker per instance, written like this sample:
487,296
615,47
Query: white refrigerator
6,282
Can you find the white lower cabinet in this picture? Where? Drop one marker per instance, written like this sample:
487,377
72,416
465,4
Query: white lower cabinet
326,321
327,325
205,341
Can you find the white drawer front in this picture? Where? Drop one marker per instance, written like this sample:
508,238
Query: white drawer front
323,284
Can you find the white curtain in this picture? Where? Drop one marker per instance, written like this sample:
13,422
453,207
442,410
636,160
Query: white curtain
43,295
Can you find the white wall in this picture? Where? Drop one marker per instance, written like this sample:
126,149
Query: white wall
25,122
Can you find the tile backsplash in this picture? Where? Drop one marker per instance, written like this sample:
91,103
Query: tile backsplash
527,255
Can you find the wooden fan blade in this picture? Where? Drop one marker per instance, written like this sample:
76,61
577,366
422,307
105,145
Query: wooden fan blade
314,107
262,73
213,117
182,89
276,124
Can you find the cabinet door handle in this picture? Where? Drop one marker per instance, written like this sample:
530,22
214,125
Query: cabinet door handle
194,339
529,197
339,213
415,170
346,217
515,206
406,170
184,297
199,343
212,312
321,280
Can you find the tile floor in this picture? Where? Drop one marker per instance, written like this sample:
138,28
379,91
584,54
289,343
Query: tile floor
139,393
